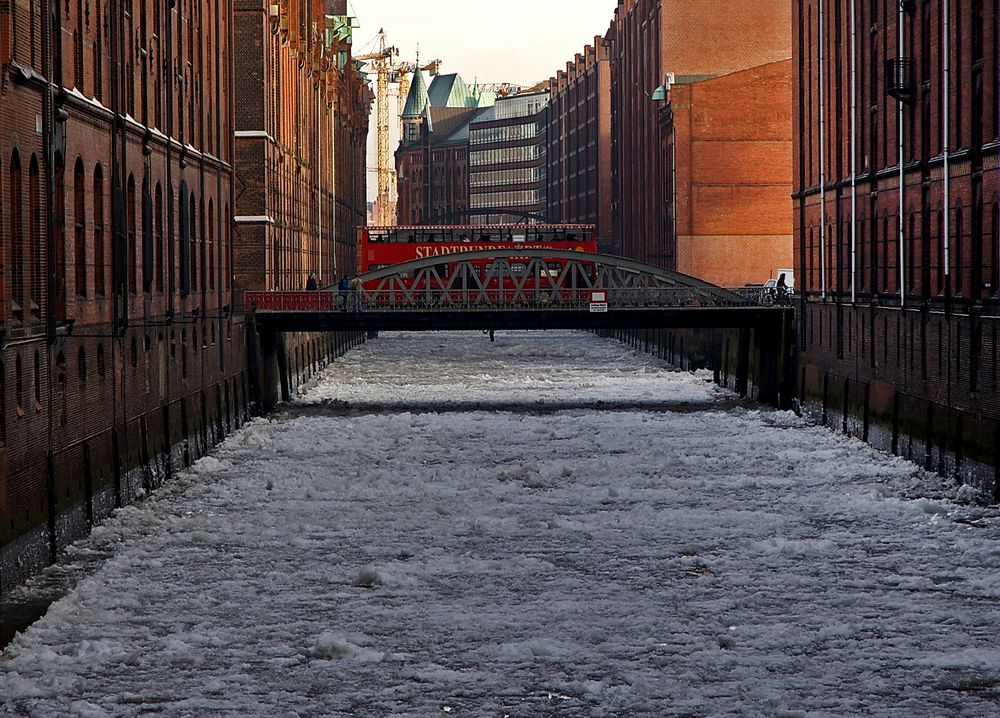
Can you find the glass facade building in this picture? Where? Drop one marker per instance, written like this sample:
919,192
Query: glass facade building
507,160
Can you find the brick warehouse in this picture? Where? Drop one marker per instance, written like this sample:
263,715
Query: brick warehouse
300,158
898,328
728,144
300,144
124,353
579,142
649,41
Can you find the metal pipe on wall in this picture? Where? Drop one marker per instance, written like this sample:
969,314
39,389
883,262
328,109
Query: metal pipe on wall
901,44
946,150
854,150
822,161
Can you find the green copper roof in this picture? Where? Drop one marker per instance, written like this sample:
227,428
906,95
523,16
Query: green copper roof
450,91
417,100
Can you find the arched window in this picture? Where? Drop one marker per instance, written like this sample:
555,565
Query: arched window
78,47
226,239
130,235
133,354
79,229
148,238
19,385
35,238
211,245
193,234
959,250
37,382
16,235
995,250
57,245
158,230
102,369
61,387
100,270
81,365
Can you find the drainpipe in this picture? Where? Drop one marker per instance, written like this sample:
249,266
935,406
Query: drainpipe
947,149
901,44
854,151
822,162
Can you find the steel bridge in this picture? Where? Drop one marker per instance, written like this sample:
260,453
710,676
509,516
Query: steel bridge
525,288
542,289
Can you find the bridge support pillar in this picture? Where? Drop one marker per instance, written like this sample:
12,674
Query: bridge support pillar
775,360
743,363
270,375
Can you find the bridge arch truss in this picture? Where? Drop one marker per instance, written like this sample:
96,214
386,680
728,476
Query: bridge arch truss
526,277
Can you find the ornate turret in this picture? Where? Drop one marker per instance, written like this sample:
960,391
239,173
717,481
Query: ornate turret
416,102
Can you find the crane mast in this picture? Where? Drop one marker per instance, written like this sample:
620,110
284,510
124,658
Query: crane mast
388,71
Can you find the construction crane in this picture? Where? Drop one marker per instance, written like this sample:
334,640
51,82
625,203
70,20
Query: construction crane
381,62
388,71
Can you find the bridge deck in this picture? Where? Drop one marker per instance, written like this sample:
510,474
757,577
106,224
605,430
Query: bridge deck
476,319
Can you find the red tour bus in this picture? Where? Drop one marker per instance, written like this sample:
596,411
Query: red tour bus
380,247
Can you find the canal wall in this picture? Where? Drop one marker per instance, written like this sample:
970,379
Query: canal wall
88,479
880,382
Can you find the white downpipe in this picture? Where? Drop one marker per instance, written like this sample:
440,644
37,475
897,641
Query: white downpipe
902,236
946,90
822,162
854,151
319,181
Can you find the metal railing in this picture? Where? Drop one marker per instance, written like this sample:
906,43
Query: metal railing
438,299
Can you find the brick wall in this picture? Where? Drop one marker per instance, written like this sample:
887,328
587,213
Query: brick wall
899,317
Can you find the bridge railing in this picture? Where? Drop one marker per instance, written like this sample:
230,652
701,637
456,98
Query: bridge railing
430,299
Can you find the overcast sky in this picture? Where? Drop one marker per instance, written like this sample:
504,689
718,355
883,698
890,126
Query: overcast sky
517,41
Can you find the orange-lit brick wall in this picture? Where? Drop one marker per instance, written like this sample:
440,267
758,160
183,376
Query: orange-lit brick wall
730,143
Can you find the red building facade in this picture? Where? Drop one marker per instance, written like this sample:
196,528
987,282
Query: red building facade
300,143
896,221
649,42
123,349
728,146
121,358
579,142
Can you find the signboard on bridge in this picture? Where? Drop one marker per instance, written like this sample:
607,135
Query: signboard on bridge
598,302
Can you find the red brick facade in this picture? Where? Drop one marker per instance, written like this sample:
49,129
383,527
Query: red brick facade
300,144
433,171
119,349
900,318
690,39
728,147
579,142
123,349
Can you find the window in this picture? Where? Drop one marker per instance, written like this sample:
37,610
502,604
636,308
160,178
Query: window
99,268
37,382
16,236
158,241
147,236
19,385
130,235
101,365
81,366
35,238
80,229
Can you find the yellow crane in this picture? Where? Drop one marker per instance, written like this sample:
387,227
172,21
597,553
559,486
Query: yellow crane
380,62
388,71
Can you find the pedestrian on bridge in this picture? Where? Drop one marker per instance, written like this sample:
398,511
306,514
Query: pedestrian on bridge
355,287
311,284
344,287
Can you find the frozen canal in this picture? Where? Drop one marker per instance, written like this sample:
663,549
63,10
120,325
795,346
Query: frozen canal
397,546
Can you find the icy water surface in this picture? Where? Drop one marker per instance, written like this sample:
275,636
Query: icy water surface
551,525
